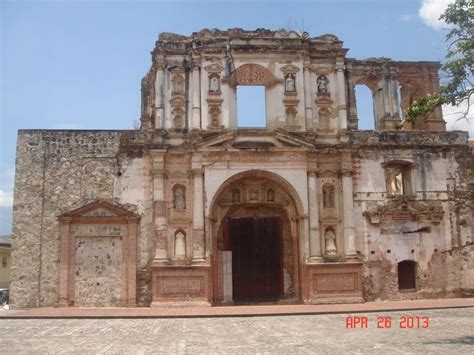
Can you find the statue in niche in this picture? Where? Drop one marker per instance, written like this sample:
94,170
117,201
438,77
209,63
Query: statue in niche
179,198
395,181
322,83
330,242
271,195
236,196
290,83
328,196
214,85
180,245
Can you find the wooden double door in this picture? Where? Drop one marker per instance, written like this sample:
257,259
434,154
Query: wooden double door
257,258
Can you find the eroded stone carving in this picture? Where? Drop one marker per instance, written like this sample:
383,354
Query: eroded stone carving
214,83
328,196
179,198
180,245
254,74
330,241
402,208
322,83
290,83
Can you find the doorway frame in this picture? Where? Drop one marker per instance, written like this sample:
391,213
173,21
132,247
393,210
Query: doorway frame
292,211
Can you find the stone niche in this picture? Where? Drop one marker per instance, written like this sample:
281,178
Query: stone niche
97,256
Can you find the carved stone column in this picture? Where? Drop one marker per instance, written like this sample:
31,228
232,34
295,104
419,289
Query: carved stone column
159,100
341,97
352,114
314,230
196,96
308,97
390,97
348,215
159,204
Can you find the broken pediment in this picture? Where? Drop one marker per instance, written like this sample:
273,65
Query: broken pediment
214,68
404,209
99,209
289,69
249,139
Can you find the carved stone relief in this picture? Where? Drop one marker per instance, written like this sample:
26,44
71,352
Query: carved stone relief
177,81
214,111
290,83
214,84
253,74
322,84
177,101
328,196
330,241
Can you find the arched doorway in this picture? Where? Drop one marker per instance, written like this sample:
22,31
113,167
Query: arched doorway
255,239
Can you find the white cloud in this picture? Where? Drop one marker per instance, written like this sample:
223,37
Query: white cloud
6,199
431,10
455,120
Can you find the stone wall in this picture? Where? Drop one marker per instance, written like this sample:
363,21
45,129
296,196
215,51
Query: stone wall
432,226
56,171
98,271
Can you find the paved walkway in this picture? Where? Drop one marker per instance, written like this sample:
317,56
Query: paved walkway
233,311
448,331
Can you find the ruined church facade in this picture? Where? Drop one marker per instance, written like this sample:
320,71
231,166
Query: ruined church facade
191,208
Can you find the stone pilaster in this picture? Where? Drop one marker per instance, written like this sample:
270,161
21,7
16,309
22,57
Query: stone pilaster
159,100
198,244
348,214
196,96
341,97
308,97
159,206
314,230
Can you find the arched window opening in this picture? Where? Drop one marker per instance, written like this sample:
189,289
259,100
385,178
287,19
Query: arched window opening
407,275
251,107
365,107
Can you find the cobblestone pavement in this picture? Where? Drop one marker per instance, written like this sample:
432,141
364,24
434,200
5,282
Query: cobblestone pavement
450,331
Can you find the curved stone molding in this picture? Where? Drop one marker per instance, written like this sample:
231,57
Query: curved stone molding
253,74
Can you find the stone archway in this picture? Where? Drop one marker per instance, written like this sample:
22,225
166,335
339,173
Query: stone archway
261,197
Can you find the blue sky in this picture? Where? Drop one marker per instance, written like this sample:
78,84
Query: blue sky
78,64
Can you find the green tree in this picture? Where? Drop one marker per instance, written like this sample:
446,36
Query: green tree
458,70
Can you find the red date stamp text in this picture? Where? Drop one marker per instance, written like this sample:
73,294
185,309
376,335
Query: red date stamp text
387,322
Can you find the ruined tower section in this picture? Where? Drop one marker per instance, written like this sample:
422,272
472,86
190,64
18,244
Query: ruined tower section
193,80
